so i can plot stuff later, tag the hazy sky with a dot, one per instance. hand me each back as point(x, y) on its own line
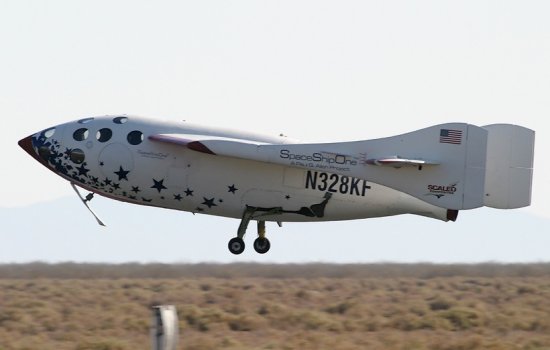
point(313, 70)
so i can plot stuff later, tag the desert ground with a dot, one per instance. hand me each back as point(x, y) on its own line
point(253, 306)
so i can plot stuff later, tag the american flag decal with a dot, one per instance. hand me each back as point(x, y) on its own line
point(450, 136)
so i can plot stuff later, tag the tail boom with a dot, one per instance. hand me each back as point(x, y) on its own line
point(448, 165)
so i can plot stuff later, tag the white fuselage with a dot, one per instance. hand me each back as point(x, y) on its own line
point(113, 156)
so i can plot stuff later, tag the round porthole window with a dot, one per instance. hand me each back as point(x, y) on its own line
point(81, 134)
point(44, 152)
point(77, 156)
point(104, 135)
point(49, 133)
point(85, 120)
point(120, 120)
point(135, 137)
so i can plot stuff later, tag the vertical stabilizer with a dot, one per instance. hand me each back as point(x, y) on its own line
point(509, 174)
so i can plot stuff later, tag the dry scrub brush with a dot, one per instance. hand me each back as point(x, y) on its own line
point(502, 311)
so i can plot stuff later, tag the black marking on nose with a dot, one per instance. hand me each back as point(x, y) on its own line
point(26, 144)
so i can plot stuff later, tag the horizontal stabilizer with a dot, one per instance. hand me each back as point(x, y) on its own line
point(396, 162)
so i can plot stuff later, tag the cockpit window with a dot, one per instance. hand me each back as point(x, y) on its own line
point(49, 133)
point(85, 120)
point(135, 137)
point(104, 135)
point(81, 134)
point(120, 120)
point(77, 156)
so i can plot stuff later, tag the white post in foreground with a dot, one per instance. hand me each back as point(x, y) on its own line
point(164, 333)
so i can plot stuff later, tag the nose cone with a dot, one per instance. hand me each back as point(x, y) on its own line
point(26, 144)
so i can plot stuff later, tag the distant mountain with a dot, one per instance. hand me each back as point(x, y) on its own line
point(63, 230)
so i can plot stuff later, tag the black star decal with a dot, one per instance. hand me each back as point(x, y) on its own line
point(199, 209)
point(188, 192)
point(220, 200)
point(116, 186)
point(82, 170)
point(107, 181)
point(68, 153)
point(122, 174)
point(232, 189)
point(209, 202)
point(101, 164)
point(158, 185)
point(161, 197)
point(94, 179)
point(177, 197)
point(135, 189)
point(287, 196)
point(124, 193)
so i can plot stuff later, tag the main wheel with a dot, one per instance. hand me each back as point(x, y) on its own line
point(236, 245)
point(261, 245)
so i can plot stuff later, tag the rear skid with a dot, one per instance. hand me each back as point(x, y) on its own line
point(452, 215)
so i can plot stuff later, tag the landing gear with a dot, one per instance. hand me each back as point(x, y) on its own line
point(261, 244)
point(85, 201)
point(236, 245)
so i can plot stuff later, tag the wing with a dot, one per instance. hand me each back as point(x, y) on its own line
point(251, 150)
point(210, 144)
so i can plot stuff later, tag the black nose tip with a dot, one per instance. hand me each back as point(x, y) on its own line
point(26, 144)
point(43, 152)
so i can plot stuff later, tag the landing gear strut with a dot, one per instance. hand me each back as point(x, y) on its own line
point(261, 244)
point(85, 201)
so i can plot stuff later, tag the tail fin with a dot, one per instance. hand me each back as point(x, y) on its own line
point(443, 165)
point(509, 173)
